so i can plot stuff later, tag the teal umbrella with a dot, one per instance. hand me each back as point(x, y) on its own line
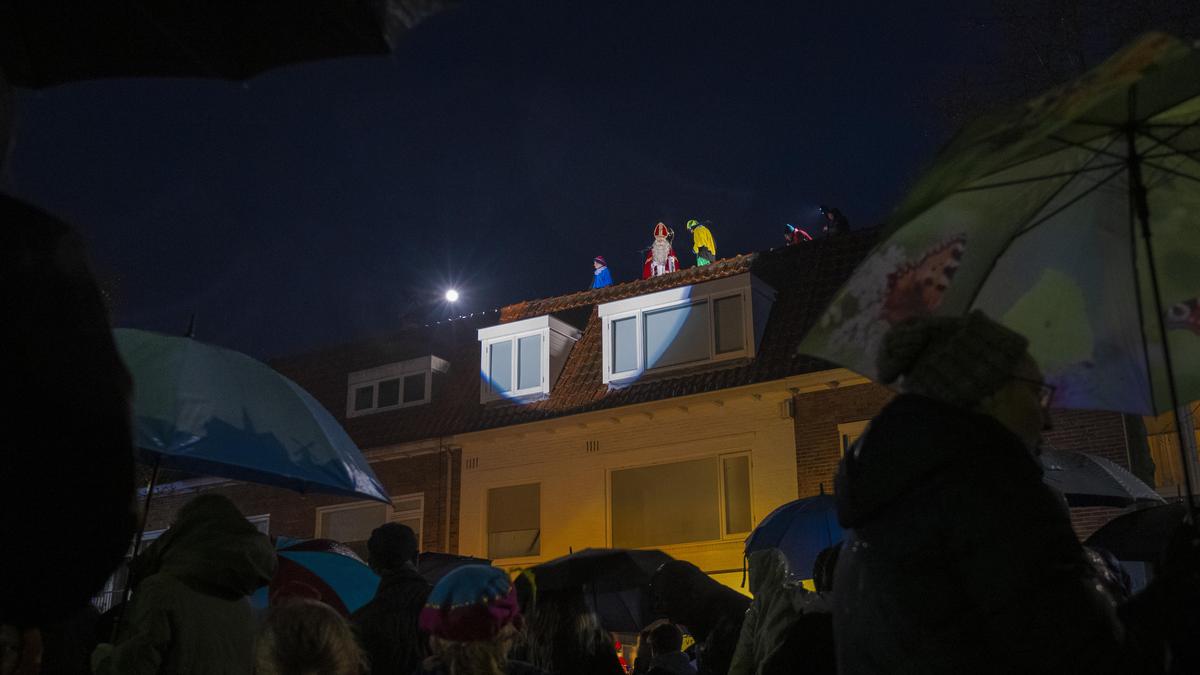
point(213, 411)
point(1073, 219)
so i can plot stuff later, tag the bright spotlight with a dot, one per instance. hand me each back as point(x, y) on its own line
point(451, 295)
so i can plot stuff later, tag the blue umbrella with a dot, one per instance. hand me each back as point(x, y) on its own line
point(320, 569)
point(213, 411)
point(801, 529)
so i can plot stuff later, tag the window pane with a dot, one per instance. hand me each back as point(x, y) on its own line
point(676, 335)
point(624, 344)
point(500, 366)
point(730, 331)
point(354, 524)
point(737, 495)
point(414, 388)
point(666, 504)
point(389, 393)
point(514, 521)
point(364, 398)
point(529, 366)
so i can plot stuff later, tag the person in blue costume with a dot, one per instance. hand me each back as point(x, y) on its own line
point(601, 276)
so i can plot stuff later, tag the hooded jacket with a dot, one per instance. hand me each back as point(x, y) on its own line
point(189, 612)
point(788, 629)
point(960, 560)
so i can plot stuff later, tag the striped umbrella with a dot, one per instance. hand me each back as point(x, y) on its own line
point(320, 569)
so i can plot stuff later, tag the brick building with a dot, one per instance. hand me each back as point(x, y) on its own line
point(671, 413)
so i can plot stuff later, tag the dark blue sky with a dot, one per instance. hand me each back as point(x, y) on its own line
point(499, 148)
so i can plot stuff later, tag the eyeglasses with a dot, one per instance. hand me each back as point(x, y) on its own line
point(1045, 391)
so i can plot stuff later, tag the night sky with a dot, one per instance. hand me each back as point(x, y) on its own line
point(498, 149)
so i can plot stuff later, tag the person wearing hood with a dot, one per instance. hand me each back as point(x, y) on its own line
point(712, 612)
point(788, 629)
point(189, 612)
point(387, 626)
point(958, 558)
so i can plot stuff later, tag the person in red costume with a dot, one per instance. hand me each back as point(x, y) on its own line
point(660, 259)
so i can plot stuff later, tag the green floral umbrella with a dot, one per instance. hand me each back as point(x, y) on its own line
point(1074, 219)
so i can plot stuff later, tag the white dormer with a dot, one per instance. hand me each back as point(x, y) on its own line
point(395, 385)
point(681, 327)
point(522, 359)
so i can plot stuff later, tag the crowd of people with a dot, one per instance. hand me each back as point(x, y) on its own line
point(958, 557)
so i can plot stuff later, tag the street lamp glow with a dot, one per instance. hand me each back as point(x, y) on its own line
point(451, 295)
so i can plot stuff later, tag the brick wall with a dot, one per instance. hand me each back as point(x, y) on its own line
point(818, 448)
point(294, 514)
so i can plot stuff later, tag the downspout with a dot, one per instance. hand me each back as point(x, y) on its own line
point(449, 455)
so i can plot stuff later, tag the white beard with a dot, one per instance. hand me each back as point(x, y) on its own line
point(660, 250)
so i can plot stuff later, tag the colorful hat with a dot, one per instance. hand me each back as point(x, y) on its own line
point(600, 259)
point(691, 224)
point(471, 604)
point(660, 230)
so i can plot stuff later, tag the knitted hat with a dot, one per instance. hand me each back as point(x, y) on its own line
point(956, 360)
point(600, 259)
point(471, 604)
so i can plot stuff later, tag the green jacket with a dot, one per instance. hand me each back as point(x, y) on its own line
point(189, 613)
point(778, 612)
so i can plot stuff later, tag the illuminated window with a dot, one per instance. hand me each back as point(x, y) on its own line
point(522, 359)
point(1163, 440)
point(514, 521)
point(680, 327)
point(396, 385)
point(705, 499)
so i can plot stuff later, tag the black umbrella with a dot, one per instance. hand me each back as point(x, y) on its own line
point(605, 569)
point(615, 582)
point(1089, 480)
point(1140, 535)
point(49, 42)
point(433, 565)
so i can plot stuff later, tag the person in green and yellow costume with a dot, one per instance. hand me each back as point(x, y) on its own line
point(702, 242)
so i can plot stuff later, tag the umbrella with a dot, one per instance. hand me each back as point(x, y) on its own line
point(49, 42)
point(217, 412)
point(1072, 219)
point(320, 569)
point(800, 529)
point(1139, 535)
point(614, 580)
point(433, 565)
point(602, 568)
point(1088, 480)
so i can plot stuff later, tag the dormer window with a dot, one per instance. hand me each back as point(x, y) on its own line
point(522, 359)
point(395, 385)
point(710, 322)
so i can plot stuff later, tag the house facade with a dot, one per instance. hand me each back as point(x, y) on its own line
point(669, 413)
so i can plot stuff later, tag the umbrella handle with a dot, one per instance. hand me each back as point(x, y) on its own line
point(1141, 206)
point(137, 545)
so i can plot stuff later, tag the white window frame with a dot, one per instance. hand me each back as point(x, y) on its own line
point(723, 525)
point(393, 515)
point(742, 285)
point(372, 377)
point(512, 332)
point(849, 432)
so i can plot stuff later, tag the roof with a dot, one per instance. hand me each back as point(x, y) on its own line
point(805, 278)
